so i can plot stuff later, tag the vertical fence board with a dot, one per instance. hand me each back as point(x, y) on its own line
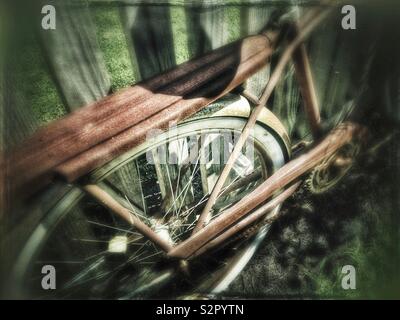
point(207, 27)
point(74, 56)
point(149, 31)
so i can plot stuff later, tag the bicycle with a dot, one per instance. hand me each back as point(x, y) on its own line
point(184, 227)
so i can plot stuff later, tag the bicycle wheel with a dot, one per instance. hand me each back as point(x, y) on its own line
point(165, 182)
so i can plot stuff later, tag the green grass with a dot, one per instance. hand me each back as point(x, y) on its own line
point(179, 31)
point(232, 20)
point(113, 44)
point(374, 258)
point(34, 83)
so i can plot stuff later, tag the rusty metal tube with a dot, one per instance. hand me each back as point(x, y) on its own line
point(82, 135)
point(317, 18)
point(118, 102)
point(248, 220)
point(338, 137)
point(109, 149)
point(307, 89)
point(110, 203)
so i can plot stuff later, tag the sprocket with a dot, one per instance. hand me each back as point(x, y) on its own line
point(330, 171)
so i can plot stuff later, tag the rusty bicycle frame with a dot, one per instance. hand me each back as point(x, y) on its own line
point(209, 235)
point(282, 184)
